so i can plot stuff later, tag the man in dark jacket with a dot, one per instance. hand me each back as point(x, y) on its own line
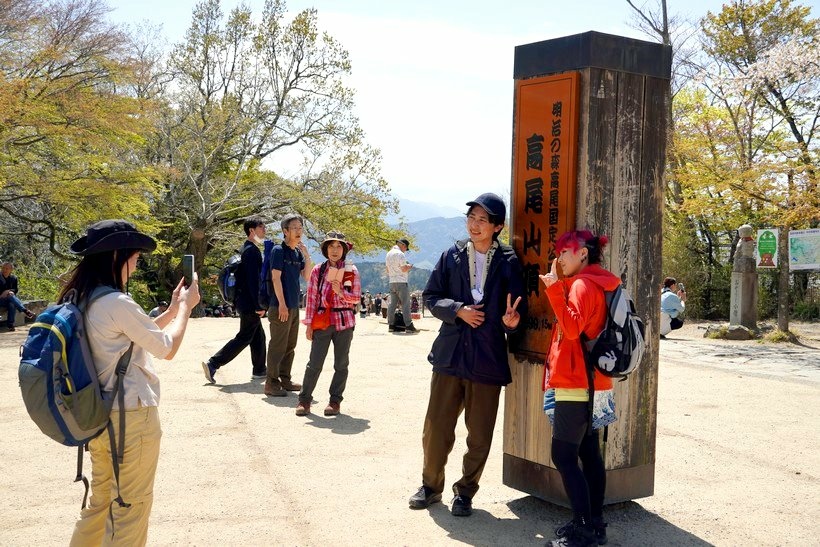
point(477, 291)
point(247, 305)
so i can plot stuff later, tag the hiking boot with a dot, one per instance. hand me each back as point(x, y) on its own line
point(29, 314)
point(579, 534)
point(209, 371)
point(424, 498)
point(598, 525)
point(391, 328)
point(332, 409)
point(302, 409)
point(291, 386)
point(411, 328)
point(462, 506)
point(274, 390)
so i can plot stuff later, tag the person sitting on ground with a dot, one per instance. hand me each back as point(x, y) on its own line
point(673, 302)
point(328, 295)
point(8, 296)
point(159, 310)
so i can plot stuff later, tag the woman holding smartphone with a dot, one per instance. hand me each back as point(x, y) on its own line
point(114, 322)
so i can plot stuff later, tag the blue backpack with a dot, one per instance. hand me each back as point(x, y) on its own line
point(59, 383)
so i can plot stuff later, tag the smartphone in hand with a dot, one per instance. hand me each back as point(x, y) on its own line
point(188, 269)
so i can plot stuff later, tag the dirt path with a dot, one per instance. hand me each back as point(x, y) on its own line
point(738, 459)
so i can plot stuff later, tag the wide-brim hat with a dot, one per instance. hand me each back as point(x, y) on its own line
point(110, 235)
point(404, 242)
point(335, 236)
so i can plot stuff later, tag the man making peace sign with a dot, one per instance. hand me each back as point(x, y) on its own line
point(477, 291)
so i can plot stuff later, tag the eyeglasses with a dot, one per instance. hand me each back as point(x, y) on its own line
point(336, 235)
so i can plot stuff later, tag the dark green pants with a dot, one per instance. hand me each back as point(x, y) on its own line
point(450, 395)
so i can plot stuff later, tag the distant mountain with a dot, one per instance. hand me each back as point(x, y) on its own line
point(413, 211)
point(430, 237)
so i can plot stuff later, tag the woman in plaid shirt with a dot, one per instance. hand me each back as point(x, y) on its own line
point(333, 288)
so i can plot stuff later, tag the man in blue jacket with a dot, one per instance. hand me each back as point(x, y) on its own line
point(246, 301)
point(477, 291)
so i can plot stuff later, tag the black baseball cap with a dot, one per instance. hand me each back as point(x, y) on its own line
point(491, 203)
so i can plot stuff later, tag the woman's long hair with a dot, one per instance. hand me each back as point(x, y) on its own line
point(95, 270)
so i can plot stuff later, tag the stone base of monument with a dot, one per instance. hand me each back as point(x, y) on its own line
point(731, 332)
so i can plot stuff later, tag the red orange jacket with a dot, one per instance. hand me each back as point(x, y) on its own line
point(580, 306)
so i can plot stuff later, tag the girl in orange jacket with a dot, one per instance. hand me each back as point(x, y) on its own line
point(579, 304)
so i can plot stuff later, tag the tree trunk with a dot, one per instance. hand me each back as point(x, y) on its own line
point(783, 284)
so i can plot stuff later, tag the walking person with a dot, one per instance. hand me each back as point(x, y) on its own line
point(397, 273)
point(579, 303)
point(110, 250)
point(8, 296)
point(330, 299)
point(246, 301)
point(476, 290)
point(289, 261)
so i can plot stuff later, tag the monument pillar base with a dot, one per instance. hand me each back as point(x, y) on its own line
point(743, 310)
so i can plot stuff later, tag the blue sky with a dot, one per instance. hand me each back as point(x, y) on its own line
point(434, 78)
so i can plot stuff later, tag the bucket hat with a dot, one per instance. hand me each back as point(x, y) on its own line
point(335, 236)
point(109, 235)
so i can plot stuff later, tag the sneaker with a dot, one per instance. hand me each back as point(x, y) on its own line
point(29, 314)
point(302, 409)
point(424, 498)
point(11, 328)
point(598, 525)
point(391, 328)
point(209, 371)
point(274, 390)
point(332, 409)
point(291, 386)
point(410, 328)
point(575, 534)
point(462, 506)
point(663, 337)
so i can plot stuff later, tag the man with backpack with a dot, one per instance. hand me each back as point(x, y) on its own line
point(289, 260)
point(251, 333)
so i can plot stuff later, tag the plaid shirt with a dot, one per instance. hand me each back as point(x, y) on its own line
point(342, 320)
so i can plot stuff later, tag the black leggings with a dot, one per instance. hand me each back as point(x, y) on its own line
point(585, 488)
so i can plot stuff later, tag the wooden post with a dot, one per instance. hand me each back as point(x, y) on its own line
point(620, 148)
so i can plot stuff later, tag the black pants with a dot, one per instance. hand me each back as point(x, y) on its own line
point(585, 488)
point(250, 334)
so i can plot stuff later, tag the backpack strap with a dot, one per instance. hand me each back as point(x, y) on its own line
point(118, 394)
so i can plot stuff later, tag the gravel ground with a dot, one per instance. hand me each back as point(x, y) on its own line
point(738, 453)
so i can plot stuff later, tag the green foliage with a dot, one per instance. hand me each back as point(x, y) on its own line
point(807, 311)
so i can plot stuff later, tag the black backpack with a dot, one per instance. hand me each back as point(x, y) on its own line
point(226, 280)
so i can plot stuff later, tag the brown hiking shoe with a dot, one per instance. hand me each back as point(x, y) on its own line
point(274, 391)
point(291, 386)
point(332, 409)
point(302, 409)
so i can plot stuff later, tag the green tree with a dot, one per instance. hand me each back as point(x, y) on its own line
point(243, 91)
point(68, 133)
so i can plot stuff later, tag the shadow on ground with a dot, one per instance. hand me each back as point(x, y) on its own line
point(629, 524)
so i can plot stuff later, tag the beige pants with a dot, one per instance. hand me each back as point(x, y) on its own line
point(130, 525)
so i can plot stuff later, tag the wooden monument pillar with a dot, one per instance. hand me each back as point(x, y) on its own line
point(589, 145)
